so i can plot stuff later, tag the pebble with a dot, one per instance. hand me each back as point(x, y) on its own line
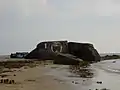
point(76, 83)
point(72, 81)
point(104, 89)
point(99, 82)
point(14, 75)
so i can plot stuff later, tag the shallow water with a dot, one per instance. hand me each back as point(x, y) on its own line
point(106, 71)
point(109, 80)
point(63, 74)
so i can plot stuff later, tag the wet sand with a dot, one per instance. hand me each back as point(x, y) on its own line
point(58, 77)
point(105, 72)
point(109, 73)
point(33, 79)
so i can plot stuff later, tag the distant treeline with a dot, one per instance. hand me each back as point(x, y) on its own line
point(108, 57)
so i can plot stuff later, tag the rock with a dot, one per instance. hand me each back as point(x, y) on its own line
point(14, 75)
point(25, 67)
point(1, 81)
point(66, 59)
point(76, 82)
point(47, 50)
point(7, 81)
point(99, 82)
point(114, 61)
point(69, 51)
point(4, 75)
point(108, 57)
point(84, 51)
point(83, 80)
point(104, 89)
point(72, 81)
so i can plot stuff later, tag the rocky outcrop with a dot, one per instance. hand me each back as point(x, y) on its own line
point(48, 50)
point(84, 51)
point(41, 54)
point(54, 46)
point(108, 57)
point(64, 52)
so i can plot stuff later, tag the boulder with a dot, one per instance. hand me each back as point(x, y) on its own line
point(66, 59)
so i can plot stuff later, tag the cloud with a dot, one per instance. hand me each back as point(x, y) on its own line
point(63, 8)
point(107, 8)
point(31, 21)
point(83, 8)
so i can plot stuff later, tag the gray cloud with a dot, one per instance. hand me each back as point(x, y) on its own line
point(24, 23)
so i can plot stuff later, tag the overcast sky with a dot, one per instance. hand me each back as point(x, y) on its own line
point(25, 23)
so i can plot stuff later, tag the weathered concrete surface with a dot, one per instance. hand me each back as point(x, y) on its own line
point(59, 58)
point(84, 51)
point(41, 54)
point(55, 46)
point(56, 50)
point(66, 59)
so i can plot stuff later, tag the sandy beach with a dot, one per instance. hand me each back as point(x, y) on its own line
point(35, 78)
point(58, 77)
